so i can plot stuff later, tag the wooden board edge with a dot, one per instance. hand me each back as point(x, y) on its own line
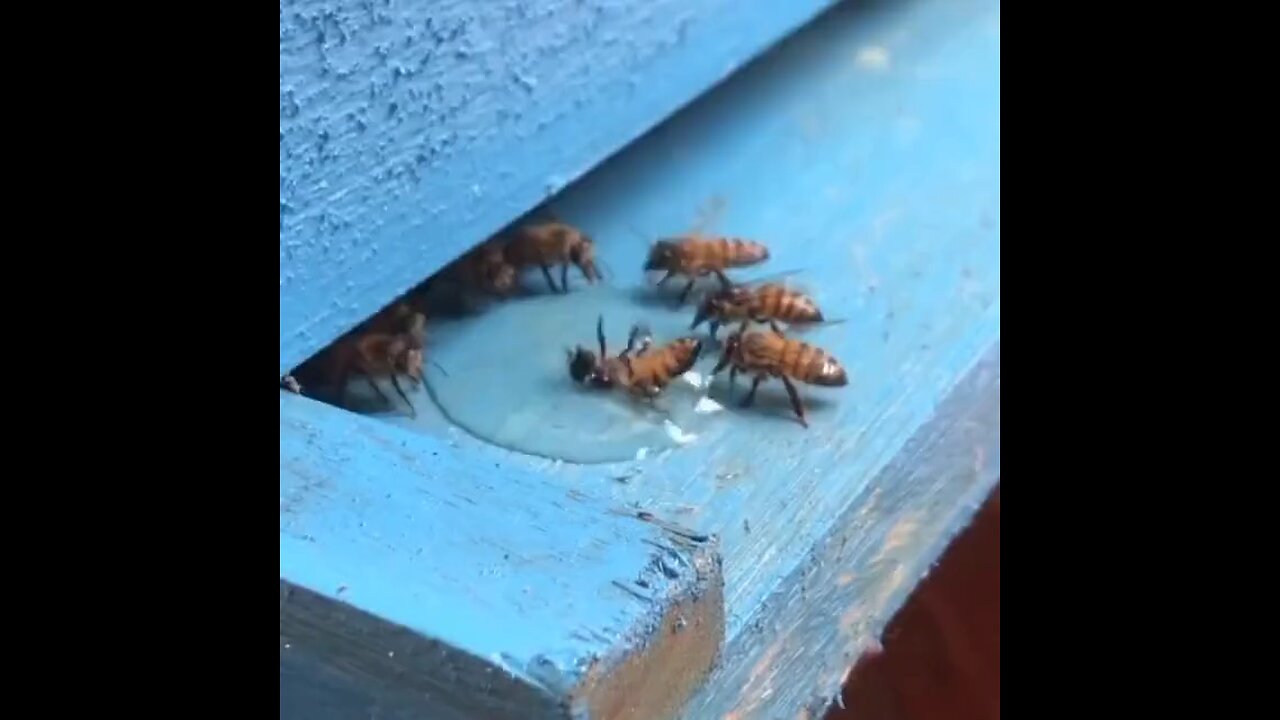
point(656, 678)
point(835, 606)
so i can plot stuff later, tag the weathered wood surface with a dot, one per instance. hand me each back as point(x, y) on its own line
point(941, 658)
point(413, 579)
point(865, 151)
point(410, 131)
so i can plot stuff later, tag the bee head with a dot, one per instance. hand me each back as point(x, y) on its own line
point(582, 364)
point(583, 255)
point(501, 278)
point(660, 256)
point(730, 350)
point(412, 363)
point(715, 305)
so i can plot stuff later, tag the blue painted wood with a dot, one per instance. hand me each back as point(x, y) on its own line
point(411, 131)
point(866, 151)
point(413, 579)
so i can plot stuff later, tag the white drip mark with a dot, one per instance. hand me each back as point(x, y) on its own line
point(675, 433)
point(694, 378)
point(872, 57)
point(706, 406)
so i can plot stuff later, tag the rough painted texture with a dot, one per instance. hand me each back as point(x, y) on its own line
point(792, 659)
point(411, 575)
point(410, 131)
point(865, 151)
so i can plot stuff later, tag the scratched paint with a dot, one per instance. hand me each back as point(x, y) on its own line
point(399, 532)
point(410, 131)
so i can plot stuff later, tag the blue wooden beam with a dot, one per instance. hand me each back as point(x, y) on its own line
point(415, 581)
point(411, 131)
point(865, 150)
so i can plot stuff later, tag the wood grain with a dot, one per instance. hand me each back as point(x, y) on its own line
point(941, 657)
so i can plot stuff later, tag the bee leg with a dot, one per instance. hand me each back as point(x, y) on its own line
point(546, 272)
point(751, 396)
point(564, 277)
point(377, 389)
point(684, 295)
point(733, 378)
point(773, 325)
point(644, 335)
point(714, 327)
point(724, 279)
point(665, 278)
point(413, 412)
point(795, 400)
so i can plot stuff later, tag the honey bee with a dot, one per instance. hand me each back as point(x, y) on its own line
point(771, 354)
point(484, 269)
point(550, 243)
point(489, 270)
point(396, 317)
point(767, 303)
point(695, 256)
point(377, 355)
point(387, 345)
point(644, 373)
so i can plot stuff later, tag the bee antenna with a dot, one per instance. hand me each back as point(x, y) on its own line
point(600, 336)
point(608, 269)
point(440, 368)
point(637, 233)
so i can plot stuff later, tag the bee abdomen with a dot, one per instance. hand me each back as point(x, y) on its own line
point(800, 308)
point(684, 353)
point(823, 369)
point(744, 252)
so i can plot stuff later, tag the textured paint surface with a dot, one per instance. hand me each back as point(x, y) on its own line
point(540, 585)
point(866, 151)
point(792, 658)
point(410, 131)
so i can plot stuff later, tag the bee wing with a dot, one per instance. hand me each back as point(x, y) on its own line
point(810, 326)
point(707, 214)
point(773, 277)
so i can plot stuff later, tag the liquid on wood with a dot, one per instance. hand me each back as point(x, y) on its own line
point(500, 372)
point(497, 367)
point(508, 379)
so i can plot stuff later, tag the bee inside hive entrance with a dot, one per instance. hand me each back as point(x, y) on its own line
point(582, 371)
point(500, 370)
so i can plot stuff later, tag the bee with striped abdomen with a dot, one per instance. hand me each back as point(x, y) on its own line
point(770, 354)
point(378, 355)
point(387, 345)
point(695, 256)
point(553, 243)
point(768, 303)
point(644, 373)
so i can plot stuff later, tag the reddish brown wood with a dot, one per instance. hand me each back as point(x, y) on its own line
point(941, 658)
